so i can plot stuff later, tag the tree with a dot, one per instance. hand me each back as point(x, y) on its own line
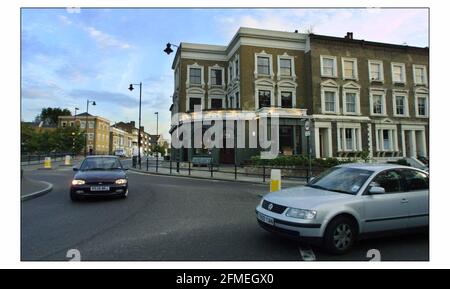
point(50, 115)
point(68, 139)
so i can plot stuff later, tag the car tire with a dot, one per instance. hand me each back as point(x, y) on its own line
point(340, 235)
point(74, 197)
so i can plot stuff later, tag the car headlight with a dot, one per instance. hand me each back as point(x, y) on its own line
point(301, 214)
point(121, 181)
point(78, 182)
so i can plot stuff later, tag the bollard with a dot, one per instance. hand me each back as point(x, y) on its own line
point(47, 163)
point(275, 180)
point(68, 160)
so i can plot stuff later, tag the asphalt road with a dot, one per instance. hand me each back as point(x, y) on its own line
point(172, 219)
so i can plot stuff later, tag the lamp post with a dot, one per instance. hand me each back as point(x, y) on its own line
point(86, 127)
point(168, 50)
point(139, 130)
point(73, 133)
point(156, 144)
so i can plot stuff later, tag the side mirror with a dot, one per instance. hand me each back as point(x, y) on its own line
point(311, 179)
point(376, 190)
point(75, 169)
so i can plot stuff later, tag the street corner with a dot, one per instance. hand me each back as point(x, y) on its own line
point(30, 189)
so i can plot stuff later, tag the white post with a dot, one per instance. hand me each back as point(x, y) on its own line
point(413, 143)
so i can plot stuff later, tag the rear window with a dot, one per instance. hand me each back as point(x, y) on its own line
point(415, 180)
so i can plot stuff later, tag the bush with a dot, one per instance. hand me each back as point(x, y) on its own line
point(297, 160)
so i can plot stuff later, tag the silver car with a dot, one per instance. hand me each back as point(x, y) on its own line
point(348, 202)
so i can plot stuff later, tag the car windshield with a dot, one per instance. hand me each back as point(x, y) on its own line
point(99, 163)
point(341, 180)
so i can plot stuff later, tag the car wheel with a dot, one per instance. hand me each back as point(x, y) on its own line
point(340, 235)
point(74, 197)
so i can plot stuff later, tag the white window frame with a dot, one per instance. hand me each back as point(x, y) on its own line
point(216, 67)
point(210, 97)
point(82, 124)
point(64, 123)
point(335, 71)
point(405, 94)
point(427, 105)
point(91, 124)
point(285, 56)
point(202, 75)
point(90, 136)
point(380, 63)
point(351, 87)
point(331, 86)
point(356, 137)
point(287, 86)
point(195, 93)
point(379, 141)
point(355, 68)
point(263, 84)
point(216, 93)
point(263, 54)
point(425, 77)
point(381, 92)
point(272, 96)
point(402, 65)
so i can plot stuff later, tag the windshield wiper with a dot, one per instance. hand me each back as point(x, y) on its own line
point(340, 191)
point(316, 187)
point(327, 189)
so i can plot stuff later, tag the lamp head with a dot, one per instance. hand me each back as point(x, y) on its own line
point(93, 103)
point(168, 50)
point(131, 87)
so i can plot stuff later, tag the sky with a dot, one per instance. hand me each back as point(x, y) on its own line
point(71, 55)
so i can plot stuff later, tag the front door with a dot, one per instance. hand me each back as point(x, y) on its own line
point(388, 211)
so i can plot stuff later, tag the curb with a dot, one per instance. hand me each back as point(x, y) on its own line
point(38, 193)
point(196, 177)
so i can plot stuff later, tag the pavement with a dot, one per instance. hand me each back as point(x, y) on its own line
point(168, 218)
point(30, 188)
point(224, 173)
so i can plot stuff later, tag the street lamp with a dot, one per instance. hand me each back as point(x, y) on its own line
point(73, 133)
point(139, 133)
point(156, 144)
point(86, 127)
point(168, 49)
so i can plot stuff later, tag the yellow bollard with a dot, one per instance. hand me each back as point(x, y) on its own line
point(68, 160)
point(275, 180)
point(48, 163)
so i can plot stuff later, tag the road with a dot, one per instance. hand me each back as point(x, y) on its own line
point(172, 219)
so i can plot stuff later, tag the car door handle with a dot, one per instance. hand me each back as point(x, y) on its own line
point(404, 201)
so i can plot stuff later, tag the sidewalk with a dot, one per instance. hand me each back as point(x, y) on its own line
point(205, 173)
point(55, 164)
point(30, 189)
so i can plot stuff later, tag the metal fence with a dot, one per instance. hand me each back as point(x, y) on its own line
point(31, 159)
point(227, 171)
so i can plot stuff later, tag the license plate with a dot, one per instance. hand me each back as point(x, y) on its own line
point(100, 188)
point(266, 219)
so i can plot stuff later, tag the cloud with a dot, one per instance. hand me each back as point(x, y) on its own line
point(105, 40)
point(383, 25)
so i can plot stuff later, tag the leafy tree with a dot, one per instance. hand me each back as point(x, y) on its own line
point(68, 139)
point(28, 138)
point(50, 115)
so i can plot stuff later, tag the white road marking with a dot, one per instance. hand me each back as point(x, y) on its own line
point(307, 254)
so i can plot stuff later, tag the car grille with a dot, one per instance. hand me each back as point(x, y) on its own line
point(100, 183)
point(275, 208)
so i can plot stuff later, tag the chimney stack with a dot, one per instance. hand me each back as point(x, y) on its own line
point(349, 35)
point(133, 123)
